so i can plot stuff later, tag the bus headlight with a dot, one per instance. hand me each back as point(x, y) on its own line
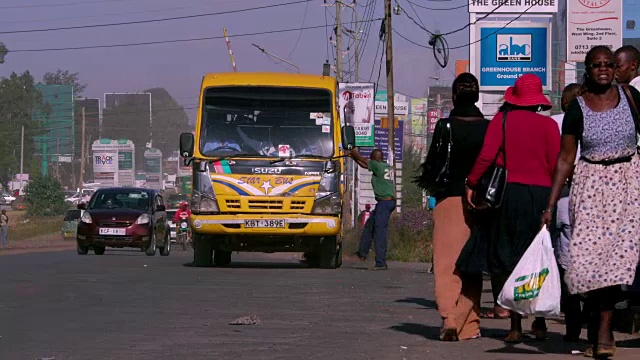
point(328, 205)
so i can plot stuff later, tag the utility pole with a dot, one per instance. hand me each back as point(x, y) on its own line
point(355, 11)
point(82, 153)
point(390, 93)
point(21, 160)
point(58, 159)
point(338, 41)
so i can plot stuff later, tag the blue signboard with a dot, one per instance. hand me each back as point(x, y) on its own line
point(508, 53)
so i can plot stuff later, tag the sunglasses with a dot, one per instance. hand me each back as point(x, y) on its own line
point(598, 65)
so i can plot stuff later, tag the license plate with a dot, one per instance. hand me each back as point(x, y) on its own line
point(112, 231)
point(263, 223)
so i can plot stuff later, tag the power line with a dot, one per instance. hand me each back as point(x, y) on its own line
point(31, 6)
point(146, 11)
point(169, 41)
point(436, 9)
point(155, 20)
point(493, 33)
point(304, 19)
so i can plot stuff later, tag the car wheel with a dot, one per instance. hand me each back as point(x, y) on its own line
point(151, 250)
point(202, 251)
point(82, 250)
point(166, 249)
point(328, 252)
point(222, 258)
point(99, 250)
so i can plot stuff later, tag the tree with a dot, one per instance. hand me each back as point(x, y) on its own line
point(20, 99)
point(130, 120)
point(3, 52)
point(44, 197)
point(61, 77)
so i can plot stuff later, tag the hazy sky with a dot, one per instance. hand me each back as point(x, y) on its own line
point(180, 66)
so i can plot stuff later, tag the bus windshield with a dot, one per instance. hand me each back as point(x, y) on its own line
point(264, 120)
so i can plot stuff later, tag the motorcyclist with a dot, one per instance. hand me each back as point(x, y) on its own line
point(183, 213)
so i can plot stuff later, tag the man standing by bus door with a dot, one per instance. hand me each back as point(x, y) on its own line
point(384, 191)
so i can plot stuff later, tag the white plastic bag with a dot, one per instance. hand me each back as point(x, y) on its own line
point(533, 288)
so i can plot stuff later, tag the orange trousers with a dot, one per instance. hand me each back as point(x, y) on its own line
point(457, 296)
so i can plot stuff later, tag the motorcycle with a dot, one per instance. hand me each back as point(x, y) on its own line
point(183, 233)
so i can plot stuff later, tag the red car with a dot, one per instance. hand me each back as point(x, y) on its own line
point(124, 218)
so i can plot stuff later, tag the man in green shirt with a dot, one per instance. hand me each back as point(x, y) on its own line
point(377, 225)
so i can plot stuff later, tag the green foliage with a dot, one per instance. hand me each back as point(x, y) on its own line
point(45, 197)
point(19, 100)
point(3, 52)
point(65, 77)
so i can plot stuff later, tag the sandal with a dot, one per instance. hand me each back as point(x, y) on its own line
point(514, 337)
point(491, 314)
point(605, 351)
point(539, 331)
point(450, 334)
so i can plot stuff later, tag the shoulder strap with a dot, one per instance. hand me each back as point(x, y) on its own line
point(503, 147)
point(632, 102)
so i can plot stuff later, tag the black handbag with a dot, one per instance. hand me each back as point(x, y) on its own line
point(436, 175)
point(494, 181)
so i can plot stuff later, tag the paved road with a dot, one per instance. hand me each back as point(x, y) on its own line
point(125, 305)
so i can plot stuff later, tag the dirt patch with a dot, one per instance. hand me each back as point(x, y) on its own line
point(43, 243)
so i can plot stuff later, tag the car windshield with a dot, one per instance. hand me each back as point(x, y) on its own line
point(120, 199)
point(72, 215)
point(173, 199)
point(266, 121)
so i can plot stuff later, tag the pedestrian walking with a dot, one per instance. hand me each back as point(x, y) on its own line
point(378, 222)
point(531, 144)
point(571, 305)
point(627, 59)
point(605, 192)
point(457, 294)
point(4, 225)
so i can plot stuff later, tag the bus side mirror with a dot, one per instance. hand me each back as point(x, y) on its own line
point(186, 144)
point(348, 137)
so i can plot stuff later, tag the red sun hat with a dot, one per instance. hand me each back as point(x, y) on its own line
point(527, 91)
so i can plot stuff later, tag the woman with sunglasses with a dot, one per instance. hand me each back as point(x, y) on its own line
point(605, 193)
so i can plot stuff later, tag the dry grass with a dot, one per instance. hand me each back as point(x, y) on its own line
point(23, 228)
point(405, 244)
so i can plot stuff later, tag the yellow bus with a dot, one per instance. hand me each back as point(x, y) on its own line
point(268, 173)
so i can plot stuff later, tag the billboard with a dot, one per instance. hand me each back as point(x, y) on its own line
point(515, 6)
point(153, 168)
point(126, 162)
point(355, 103)
point(381, 141)
point(105, 161)
point(418, 125)
point(506, 53)
point(591, 23)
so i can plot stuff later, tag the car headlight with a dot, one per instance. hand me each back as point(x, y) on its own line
point(86, 218)
point(143, 219)
point(328, 205)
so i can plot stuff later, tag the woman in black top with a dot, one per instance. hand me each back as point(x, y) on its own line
point(457, 296)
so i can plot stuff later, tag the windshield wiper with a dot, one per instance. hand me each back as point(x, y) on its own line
point(244, 155)
point(305, 156)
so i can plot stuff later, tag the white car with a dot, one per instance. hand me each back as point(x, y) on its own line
point(7, 198)
point(72, 198)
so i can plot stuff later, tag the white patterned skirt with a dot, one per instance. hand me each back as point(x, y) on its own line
point(605, 212)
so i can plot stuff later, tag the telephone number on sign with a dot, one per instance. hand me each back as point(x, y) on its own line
point(588, 47)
